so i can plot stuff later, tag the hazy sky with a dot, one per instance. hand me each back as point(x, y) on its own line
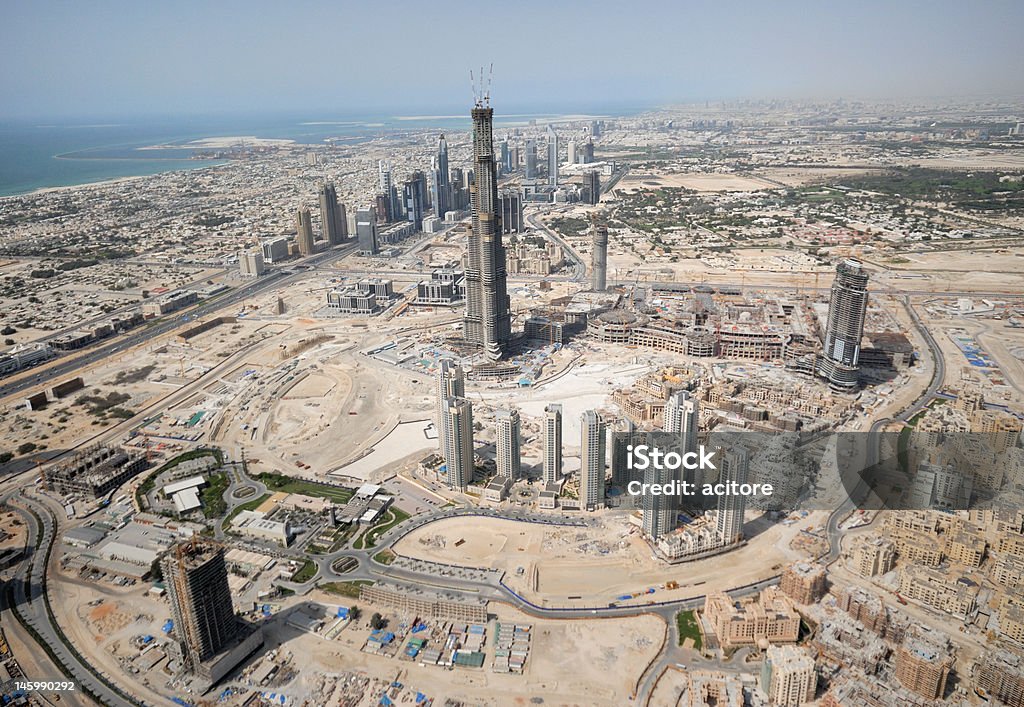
point(413, 56)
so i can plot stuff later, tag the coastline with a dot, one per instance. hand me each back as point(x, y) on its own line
point(111, 181)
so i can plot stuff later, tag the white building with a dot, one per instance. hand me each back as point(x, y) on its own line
point(458, 442)
point(735, 467)
point(552, 443)
point(593, 444)
point(254, 525)
point(507, 458)
point(250, 263)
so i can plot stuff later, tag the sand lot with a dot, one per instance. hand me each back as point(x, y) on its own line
point(584, 662)
point(702, 182)
point(570, 566)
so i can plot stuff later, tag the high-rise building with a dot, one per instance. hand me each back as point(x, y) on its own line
point(595, 129)
point(250, 263)
point(488, 321)
point(507, 457)
point(682, 418)
point(531, 159)
point(381, 204)
point(386, 187)
point(593, 434)
point(458, 442)
point(552, 463)
point(599, 259)
point(657, 511)
point(332, 216)
point(660, 513)
point(591, 191)
point(734, 466)
point(304, 231)
point(570, 156)
point(552, 157)
point(503, 155)
point(513, 159)
point(460, 191)
point(213, 640)
point(441, 188)
point(588, 152)
point(275, 250)
point(511, 212)
point(415, 194)
point(366, 230)
point(839, 362)
point(788, 676)
point(624, 434)
point(450, 382)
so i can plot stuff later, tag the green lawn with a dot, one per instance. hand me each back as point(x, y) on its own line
point(150, 482)
point(346, 589)
point(280, 482)
point(305, 573)
point(212, 497)
point(247, 506)
point(385, 557)
point(689, 627)
point(392, 518)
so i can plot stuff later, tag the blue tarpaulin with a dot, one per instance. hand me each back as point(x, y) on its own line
point(168, 626)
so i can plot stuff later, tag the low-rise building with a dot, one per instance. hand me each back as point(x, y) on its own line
point(939, 590)
point(94, 472)
point(965, 548)
point(923, 663)
point(1000, 674)
point(255, 525)
point(874, 556)
point(804, 582)
point(788, 676)
point(770, 617)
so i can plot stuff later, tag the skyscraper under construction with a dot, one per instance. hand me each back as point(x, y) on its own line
point(488, 321)
point(213, 641)
point(847, 308)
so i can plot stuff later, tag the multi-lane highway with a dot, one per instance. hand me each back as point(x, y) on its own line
point(72, 363)
point(32, 604)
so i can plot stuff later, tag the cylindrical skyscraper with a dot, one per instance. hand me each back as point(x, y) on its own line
point(599, 259)
point(847, 307)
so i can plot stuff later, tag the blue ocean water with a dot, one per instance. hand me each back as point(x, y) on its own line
point(40, 154)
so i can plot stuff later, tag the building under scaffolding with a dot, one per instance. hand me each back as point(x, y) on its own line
point(553, 326)
point(94, 472)
point(212, 640)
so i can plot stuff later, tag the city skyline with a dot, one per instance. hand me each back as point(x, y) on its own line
point(712, 403)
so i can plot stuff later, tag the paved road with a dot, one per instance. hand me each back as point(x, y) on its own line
point(31, 602)
point(73, 363)
point(861, 490)
point(577, 266)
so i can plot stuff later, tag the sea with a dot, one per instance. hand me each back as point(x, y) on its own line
point(39, 154)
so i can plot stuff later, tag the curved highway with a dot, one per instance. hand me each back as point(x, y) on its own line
point(32, 603)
